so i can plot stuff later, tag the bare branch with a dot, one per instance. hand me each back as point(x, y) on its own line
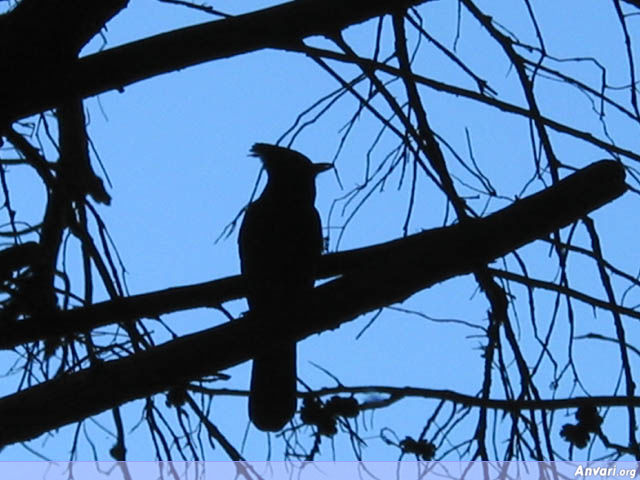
point(379, 276)
point(115, 68)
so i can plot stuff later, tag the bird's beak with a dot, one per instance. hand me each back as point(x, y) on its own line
point(321, 167)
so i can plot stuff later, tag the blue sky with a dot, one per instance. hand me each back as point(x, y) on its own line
point(175, 148)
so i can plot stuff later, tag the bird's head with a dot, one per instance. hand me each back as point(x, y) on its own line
point(284, 162)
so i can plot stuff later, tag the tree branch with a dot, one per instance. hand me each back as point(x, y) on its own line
point(372, 277)
point(117, 67)
point(460, 249)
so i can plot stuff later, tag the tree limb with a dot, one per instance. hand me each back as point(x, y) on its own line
point(459, 250)
point(372, 277)
point(117, 67)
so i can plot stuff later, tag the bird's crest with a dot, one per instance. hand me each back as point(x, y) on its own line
point(280, 158)
point(268, 153)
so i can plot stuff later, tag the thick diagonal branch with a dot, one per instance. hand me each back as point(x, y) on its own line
point(371, 278)
point(117, 67)
point(458, 250)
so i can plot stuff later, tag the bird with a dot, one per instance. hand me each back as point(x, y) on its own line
point(280, 243)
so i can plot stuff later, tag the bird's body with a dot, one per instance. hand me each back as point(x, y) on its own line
point(280, 243)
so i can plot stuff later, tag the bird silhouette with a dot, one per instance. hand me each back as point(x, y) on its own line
point(280, 242)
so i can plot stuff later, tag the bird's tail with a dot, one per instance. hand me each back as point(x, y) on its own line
point(272, 401)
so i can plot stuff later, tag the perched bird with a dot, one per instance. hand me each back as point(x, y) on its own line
point(280, 242)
